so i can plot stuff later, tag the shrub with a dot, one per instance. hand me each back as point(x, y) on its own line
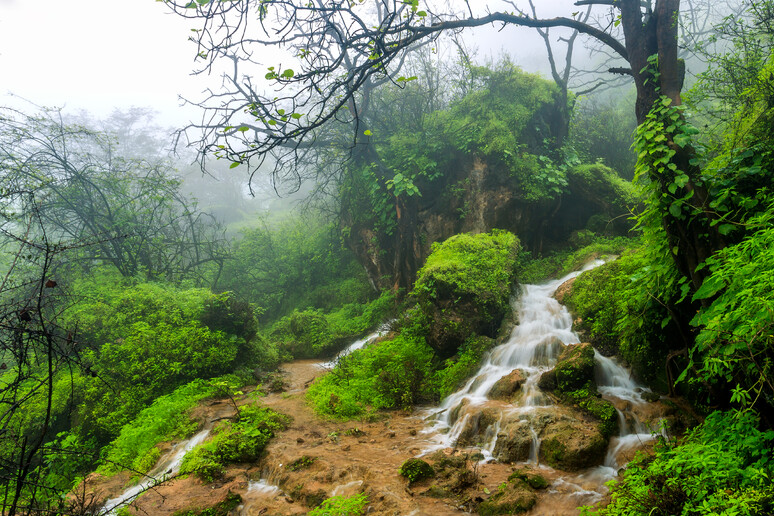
point(240, 441)
point(723, 466)
point(341, 506)
point(389, 375)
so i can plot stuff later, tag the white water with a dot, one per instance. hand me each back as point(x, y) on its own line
point(167, 467)
point(544, 329)
point(358, 344)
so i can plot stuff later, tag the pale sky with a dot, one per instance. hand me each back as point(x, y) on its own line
point(99, 55)
point(96, 55)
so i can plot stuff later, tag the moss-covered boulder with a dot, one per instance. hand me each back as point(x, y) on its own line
point(575, 367)
point(415, 470)
point(507, 386)
point(513, 497)
point(572, 445)
point(464, 288)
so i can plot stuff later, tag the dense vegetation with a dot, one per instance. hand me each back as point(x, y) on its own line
point(123, 304)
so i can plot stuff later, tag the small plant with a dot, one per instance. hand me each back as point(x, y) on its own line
point(341, 506)
point(355, 432)
point(415, 470)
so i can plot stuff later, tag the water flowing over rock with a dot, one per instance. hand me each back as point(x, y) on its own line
point(544, 398)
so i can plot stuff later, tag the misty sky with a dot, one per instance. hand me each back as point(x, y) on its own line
point(102, 54)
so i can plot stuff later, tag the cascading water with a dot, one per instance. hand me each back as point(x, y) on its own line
point(544, 329)
point(167, 467)
point(358, 344)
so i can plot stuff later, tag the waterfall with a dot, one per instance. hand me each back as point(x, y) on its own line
point(544, 329)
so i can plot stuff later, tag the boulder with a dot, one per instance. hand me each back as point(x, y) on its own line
point(575, 367)
point(572, 445)
point(514, 498)
point(476, 426)
point(507, 386)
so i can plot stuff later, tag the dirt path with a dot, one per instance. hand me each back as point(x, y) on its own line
point(317, 458)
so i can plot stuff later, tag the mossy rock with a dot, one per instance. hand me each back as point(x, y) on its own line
point(514, 498)
point(605, 412)
point(464, 288)
point(415, 470)
point(575, 367)
point(547, 381)
point(533, 480)
point(572, 445)
point(222, 508)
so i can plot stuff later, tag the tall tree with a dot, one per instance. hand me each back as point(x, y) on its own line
point(338, 46)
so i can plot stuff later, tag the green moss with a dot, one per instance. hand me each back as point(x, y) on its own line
point(232, 501)
point(415, 470)
point(513, 497)
point(534, 480)
point(476, 266)
point(605, 412)
point(341, 506)
point(303, 462)
point(575, 368)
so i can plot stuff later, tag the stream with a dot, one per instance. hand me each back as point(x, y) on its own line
point(544, 329)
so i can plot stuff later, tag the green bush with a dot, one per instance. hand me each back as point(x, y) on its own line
point(722, 467)
point(165, 419)
point(462, 366)
point(341, 506)
point(392, 374)
point(242, 440)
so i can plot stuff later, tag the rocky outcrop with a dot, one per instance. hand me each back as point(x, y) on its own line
point(475, 196)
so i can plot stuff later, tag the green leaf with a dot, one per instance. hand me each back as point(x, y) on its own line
point(234, 165)
point(711, 286)
point(367, 132)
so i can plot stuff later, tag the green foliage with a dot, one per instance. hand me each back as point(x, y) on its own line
point(342, 506)
point(606, 133)
point(415, 470)
point(144, 340)
point(392, 374)
point(723, 467)
point(312, 333)
point(537, 270)
point(479, 266)
point(735, 345)
point(242, 440)
point(461, 366)
point(297, 263)
point(165, 419)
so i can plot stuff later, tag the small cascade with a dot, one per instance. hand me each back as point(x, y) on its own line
point(167, 467)
point(358, 344)
point(615, 383)
point(544, 328)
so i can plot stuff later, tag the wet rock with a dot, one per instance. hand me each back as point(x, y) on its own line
point(415, 470)
point(572, 445)
point(564, 289)
point(508, 385)
point(651, 397)
point(453, 474)
point(533, 480)
point(514, 444)
point(547, 381)
point(513, 498)
point(476, 426)
point(575, 367)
